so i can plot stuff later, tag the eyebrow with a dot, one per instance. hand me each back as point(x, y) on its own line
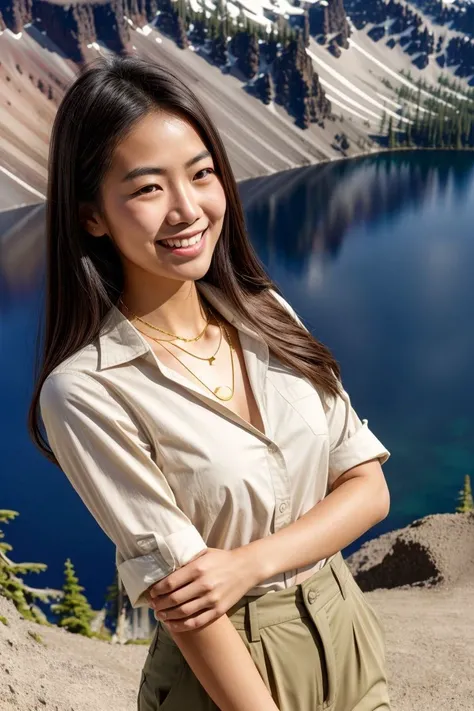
point(152, 170)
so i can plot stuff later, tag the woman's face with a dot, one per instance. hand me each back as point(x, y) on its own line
point(162, 186)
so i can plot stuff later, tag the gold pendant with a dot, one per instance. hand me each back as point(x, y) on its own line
point(211, 360)
point(225, 390)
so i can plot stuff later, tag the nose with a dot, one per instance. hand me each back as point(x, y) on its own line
point(184, 206)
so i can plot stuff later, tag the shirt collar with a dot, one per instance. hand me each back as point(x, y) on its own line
point(120, 342)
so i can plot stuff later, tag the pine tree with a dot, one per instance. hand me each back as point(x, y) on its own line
point(391, 135)
point(306, 36)
point(466, 502)
point(13, 588)
point(181, 36)
point(219, 52)
point(408, 139)
point(74, 612)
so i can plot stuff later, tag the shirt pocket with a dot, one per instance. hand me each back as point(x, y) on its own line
point(302, 397)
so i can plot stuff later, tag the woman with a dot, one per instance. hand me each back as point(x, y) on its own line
point(202, 425)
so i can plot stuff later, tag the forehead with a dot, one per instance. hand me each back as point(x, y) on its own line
point(160, 138)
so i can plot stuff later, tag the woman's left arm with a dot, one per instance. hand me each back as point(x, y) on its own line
point(359, 499)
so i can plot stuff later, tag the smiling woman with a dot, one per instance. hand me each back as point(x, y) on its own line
point(206, 430)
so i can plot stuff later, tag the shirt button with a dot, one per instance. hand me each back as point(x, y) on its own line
point(283, 506)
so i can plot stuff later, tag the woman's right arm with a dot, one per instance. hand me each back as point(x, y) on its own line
point(108, 460)
point(221, 662)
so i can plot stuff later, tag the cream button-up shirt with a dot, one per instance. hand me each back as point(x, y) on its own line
point(167, 471)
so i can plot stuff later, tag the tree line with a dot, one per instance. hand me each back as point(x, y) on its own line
point(275, 64)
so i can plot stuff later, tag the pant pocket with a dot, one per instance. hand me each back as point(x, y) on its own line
point(368, 666)
point(160, 685)
point(360, 595)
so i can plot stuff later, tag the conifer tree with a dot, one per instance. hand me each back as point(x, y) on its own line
point(219, 52)
point(391, 135)
point(12, 586)
point(117, 603)
point(408, 139)
point(74, 612)
point(306, 29)
point(466, 502)
point(181, 36)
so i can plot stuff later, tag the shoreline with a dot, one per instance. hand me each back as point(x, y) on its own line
point(325, 161)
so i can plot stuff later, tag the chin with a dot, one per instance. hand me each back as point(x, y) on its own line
point(193, 271)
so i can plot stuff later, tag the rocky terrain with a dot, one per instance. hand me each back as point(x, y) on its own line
point(422, 586)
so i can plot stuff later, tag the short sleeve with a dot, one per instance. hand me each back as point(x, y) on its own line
point(351, 441)
point(108, 460)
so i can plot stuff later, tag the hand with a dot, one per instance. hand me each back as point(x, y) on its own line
point(202, 590)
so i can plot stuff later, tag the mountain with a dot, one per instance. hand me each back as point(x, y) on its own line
point(358, 63)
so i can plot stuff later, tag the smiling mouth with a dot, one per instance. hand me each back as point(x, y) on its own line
point(182, 243)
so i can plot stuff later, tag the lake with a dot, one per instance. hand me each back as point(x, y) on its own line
point(377, 257)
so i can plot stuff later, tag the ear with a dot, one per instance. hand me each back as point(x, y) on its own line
point(92, 221)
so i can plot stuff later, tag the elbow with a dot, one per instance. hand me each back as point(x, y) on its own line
point(383, 502)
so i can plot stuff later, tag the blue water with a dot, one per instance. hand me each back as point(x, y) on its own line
point(377, 256)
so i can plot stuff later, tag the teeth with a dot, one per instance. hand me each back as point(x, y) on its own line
point(183, 242)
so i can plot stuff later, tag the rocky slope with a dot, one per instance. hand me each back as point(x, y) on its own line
point(43, 43)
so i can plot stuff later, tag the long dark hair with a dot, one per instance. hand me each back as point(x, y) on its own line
point(84, 276)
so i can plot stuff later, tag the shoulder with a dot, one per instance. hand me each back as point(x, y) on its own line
point(70, 389)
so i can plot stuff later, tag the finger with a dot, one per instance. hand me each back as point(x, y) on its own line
point(175, 580)
point(178, 597)
point(193, 607)
point(193, 623)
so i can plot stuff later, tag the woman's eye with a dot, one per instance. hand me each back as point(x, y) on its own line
point(145, 190)
point(149, 189)
point(211, 170)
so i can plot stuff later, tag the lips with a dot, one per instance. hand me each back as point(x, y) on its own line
point(178, 241)
point(185, 249)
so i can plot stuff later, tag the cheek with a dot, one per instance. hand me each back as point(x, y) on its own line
point(135, 224)
point(217, 205)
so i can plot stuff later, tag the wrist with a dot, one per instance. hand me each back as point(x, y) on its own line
point(253, 564)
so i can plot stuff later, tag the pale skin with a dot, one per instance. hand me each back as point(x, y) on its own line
point(160, 287)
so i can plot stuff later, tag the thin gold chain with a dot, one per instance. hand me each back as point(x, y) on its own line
point(231, 349)
point(210, 359)
point(161, 330)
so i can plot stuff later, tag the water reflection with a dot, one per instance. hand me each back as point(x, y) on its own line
point(303, 216)
point(376, 255)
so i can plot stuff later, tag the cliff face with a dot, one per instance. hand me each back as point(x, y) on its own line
point(73, 26)
point(335, 17)
point(328, 19)
point(15, 13)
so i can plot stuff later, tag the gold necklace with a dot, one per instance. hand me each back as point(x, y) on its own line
point(211, 359)
point(187, 340)
point(226, 392)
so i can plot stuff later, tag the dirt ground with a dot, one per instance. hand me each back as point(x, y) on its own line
point(428, 623)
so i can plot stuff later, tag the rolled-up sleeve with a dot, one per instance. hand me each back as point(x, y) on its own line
point(109, 462)
point(351, 441)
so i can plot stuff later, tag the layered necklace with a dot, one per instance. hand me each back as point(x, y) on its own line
point(222, 392)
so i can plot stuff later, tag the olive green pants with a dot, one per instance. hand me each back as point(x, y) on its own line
point(317, 645)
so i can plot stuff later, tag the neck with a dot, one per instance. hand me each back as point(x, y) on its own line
point(176, 309)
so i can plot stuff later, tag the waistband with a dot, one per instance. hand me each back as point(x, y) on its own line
point(255, 613)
